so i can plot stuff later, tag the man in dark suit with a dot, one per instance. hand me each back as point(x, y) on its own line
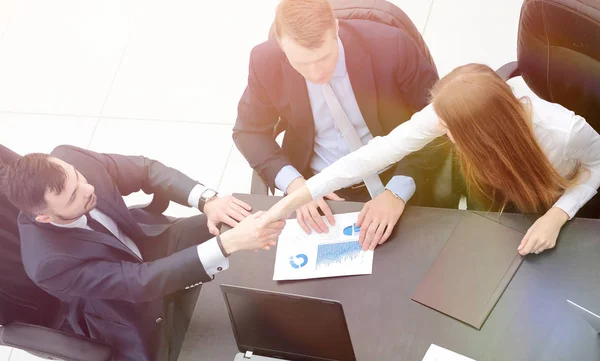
point(314, 66)
point(114, 266)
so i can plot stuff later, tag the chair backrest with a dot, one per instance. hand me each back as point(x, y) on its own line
point(559, 53)
point(383, 12)
point(20, 299)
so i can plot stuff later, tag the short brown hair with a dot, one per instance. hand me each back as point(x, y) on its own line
point(304, 21)
point(26, 180)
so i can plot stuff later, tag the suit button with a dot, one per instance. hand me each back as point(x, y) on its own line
point(159, 320)
point(219, 269)
point(187, 288)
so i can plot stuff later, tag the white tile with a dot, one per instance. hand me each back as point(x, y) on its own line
point(20, 355)
point(188, 60)
point(7, 9)
point(467, 31)
point(237, 177)
point(5, 353)
point(417, 11)
point(26, 133)
point(198, 150)
point(60, 57)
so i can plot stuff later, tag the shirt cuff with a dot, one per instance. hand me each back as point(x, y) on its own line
point(285, 177)
point(575, 198)
point(212, 258)
point(403, 186)
point(195, 194)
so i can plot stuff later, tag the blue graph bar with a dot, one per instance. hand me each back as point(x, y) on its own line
point(330, 254)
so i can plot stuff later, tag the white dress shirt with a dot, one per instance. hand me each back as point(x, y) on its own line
point(566, 139)
point(329, 145)
point(209, 253)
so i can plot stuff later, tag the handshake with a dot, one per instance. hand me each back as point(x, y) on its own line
point(250, 231)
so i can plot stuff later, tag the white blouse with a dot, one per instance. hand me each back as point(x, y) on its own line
point(566, 139)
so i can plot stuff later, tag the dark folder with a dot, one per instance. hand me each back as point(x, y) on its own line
point(472, 270)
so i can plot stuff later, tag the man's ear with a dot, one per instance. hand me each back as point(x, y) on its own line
point(43, 218)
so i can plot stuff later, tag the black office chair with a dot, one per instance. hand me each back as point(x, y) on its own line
point(558, 54)
point(387, 13)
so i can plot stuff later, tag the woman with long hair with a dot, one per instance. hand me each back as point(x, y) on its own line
point(515, 153)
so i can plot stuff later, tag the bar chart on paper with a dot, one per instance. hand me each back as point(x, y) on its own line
point(336, 253)
point(330, 255)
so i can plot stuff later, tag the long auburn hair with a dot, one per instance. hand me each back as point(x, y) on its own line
point(501, 160)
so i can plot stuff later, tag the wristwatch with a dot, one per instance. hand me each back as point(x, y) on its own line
point(206, 196)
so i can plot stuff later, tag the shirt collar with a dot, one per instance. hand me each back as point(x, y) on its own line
point(81, 222)
point(340, 67)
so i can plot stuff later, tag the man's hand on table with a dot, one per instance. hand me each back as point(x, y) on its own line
point(308, 215)
point(378, 219)
point(228, 210)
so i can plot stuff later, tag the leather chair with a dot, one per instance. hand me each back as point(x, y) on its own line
point(558, 54)
point(387, 13)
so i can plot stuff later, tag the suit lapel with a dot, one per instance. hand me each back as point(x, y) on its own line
point(360, 71)
point(120, 214)
point(80, 234)
point(297, 96)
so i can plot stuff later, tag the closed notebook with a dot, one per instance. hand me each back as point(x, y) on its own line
point(472, 270)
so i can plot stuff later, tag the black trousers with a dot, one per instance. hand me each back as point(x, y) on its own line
point(179, 306)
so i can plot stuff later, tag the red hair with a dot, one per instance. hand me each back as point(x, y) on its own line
point(500, 157)
point(307, 22)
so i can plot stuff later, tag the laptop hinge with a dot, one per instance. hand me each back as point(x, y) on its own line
point(248, 355)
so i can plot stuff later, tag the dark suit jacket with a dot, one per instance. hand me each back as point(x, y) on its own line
point(113, 295)
point(390, 77)
point(20, 299)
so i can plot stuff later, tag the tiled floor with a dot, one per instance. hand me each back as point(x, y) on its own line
point(162, 78)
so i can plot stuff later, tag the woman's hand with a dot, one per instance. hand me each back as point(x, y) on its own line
point(543, 233)
point(308, 215)
point(283, 209)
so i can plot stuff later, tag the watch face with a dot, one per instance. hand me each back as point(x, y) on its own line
point(208, 194)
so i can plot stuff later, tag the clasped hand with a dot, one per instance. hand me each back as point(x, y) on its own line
point(249, 231)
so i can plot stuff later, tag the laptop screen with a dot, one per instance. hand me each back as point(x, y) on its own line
point(288, 326)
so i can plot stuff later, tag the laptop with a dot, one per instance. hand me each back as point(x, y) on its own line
point(277, 326)
point(591, 318)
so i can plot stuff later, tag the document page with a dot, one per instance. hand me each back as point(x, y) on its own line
point(437, 353)
point(337, 253)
